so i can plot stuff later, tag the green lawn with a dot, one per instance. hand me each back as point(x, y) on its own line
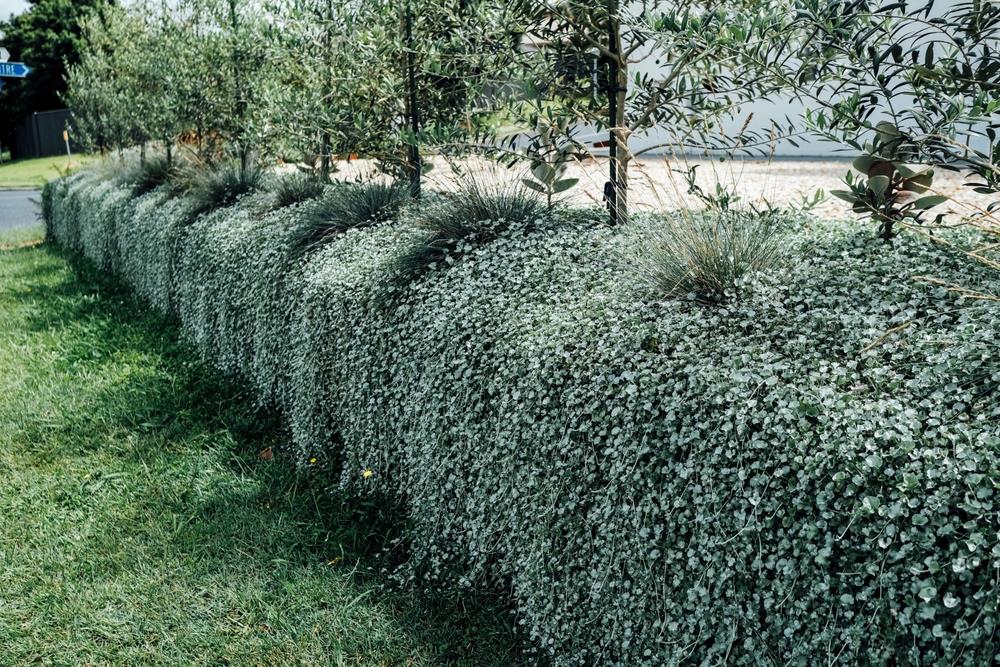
point(141, 524)
point(34, 173)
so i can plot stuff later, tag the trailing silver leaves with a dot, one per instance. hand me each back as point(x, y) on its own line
point(805, 475)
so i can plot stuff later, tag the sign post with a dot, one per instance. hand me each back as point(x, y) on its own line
point(4, 57)
point(9, 70)
point(14, 70)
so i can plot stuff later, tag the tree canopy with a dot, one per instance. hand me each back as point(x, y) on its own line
point(49, 38)
point(311, 80)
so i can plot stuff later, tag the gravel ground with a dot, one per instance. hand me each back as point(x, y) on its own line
point(656, 186)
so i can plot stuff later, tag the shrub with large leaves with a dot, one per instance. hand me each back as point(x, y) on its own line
point(888, 187)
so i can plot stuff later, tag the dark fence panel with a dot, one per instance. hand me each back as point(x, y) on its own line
point(41, 135)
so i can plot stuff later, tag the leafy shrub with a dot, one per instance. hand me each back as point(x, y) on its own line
point(888, 188)
point(217, 186)
point(709, 256)
point(480, 212)
point(347, 206)
point(295, 188)
point(800, 476)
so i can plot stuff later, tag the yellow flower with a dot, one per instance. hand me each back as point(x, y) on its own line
point(367, 473)
point(312, 460)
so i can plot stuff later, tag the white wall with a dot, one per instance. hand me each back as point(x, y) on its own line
point(766, 111)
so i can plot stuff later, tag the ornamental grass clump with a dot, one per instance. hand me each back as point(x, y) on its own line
point(479, 212)
point(220, 185)
point(348, 206)
point(142, 176)
point(707, 257)
point(295, 188)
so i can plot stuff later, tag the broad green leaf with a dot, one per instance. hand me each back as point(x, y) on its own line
point(912, 170)
point(564, 185)
point(543, 172)
point(534, 185)
point(863, 163)
point(918, 183)
point(929, 202)
point(846, 195)
point(878, 185)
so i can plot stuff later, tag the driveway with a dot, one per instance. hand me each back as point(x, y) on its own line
point(18, 208)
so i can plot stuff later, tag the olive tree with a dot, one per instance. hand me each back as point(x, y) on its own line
point(909, 89)
point(390, 79)
point(334, 93)
point(234, 46)
point(689, 89)
point(101, 87)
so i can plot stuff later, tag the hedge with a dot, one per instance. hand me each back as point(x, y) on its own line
point(810, 474)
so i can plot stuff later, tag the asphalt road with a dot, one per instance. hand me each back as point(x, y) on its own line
point(18, 208)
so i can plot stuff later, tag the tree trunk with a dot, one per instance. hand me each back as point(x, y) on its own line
point(621, 196)
point(619, 156)
point(413, 165)
point(624, 152)
point(240, 103)
point(325, 149)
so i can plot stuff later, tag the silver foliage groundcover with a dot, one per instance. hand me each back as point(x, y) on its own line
point(659, 482)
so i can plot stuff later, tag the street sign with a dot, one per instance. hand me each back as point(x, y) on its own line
point(4, 55)
point(14, 70)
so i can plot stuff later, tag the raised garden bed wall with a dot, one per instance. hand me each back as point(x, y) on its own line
point(656, 482)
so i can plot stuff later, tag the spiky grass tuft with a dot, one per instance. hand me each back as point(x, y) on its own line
point(346, 206)
point(708, 256)
point(220, 185)
point(295, 188)
point(479, 212)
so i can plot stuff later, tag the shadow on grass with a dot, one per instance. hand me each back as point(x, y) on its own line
point(159, 403)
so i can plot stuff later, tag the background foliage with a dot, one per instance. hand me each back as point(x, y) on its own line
point(48, 37)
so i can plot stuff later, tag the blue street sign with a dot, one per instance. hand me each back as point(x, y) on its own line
point(14, 70)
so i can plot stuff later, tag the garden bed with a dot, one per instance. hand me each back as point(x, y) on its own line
point(809, 471)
